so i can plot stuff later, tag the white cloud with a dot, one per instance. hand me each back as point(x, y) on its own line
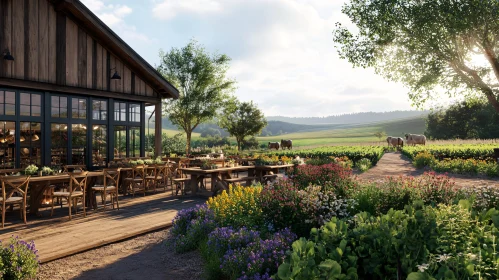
point(114, 16)
point(169, 9)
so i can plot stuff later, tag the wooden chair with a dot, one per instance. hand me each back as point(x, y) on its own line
point(178, 179)
point(76, 190)
point(162, 175)
point(110, 186)
point(137, 182)
point(14, 192)
point(150, 175)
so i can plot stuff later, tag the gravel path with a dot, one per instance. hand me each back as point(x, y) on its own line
point(396, 164)
point(142, 257)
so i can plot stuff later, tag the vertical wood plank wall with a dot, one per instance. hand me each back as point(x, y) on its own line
point(50, 47)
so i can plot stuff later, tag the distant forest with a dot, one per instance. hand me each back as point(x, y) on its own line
point(283, 125)
point(353, 118)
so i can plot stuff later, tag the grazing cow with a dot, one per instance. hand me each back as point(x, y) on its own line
point(274, 145)
point(287, 144)
point(389, 140)
point(416, 139)
point(397, 142)
point(410, 142)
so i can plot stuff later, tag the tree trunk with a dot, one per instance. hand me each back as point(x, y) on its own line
point(491, 98)
point(238, 145)
point(188, 144)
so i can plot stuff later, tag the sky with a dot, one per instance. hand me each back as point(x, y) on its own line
point(282, 51)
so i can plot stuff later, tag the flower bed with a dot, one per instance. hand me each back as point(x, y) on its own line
point(18, 260)
point(416, 228)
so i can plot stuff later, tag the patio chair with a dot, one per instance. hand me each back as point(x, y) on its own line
point(178, 179)
point(109, 186)
point(137, 183)
point(76, 190)
point(14, 192)
point(151, 172)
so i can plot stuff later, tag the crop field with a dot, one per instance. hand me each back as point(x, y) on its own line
point(373, 153)
point(454, 151)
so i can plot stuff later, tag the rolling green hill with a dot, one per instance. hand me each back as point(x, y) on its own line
point(307, 136)
point(351, 134)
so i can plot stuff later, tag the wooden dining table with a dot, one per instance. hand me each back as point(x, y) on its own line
point(38, 185)
point(217, 175)
point(262, 170)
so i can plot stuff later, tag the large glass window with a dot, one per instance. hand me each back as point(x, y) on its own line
point(134, 112)
point(79, 108)
point(99, 110)
point(120, 111)
point(59, 106)
point(79, 143)
point(119, 141)
point(134, 142)
point(31, 104)
point(99, 145)
point(7, 145)
point(7, 103)
point(59, 144)
point(30, 141)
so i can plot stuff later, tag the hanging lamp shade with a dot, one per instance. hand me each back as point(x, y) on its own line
point(116, 76)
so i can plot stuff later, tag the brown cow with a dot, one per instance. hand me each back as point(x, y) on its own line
point(286, 144)
point(274, 145)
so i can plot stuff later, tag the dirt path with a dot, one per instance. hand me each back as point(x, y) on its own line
point(142, 257)
point(396, 164)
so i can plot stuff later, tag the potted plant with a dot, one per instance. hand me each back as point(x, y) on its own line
point(205, 164)
point(139, 161)
point(31, 170)
point(158, 160)
point(231, 163)
point(47, 170)
point(149, 161)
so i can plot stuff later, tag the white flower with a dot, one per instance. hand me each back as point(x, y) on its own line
point(443, 258)
point(423, 267)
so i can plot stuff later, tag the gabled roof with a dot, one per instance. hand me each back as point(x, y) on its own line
point(110, 40)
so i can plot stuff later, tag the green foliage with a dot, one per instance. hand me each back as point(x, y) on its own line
point(175, 144)
point(354, 153)
point(18, 260)
point(201, 80)
point(453, 151)
point(397, 192)
point(242, 119)
point(363, 164)
point(418, 242)
point(423, 160)
point(380, 135)
point(465, 120)
point(425, 44)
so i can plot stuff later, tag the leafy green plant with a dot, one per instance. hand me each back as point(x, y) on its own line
point(363, 164)
point(18, 260)
point(423, 160)
point(31, 169)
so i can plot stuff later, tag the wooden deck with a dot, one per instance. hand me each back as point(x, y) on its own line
point(58, 237)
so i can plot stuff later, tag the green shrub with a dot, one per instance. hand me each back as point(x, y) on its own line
point(423, 160)
point(18, 260)
point(419, 242)
point(363, 164)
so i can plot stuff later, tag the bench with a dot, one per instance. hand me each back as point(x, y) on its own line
point(269, 178)
point(248, 180)
point(180, 183)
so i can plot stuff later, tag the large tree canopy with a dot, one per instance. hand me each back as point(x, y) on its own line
point(426, 44)
point(201, 80)
point(242, 119)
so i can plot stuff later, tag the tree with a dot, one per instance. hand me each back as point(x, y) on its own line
point(380, 135)
point(242, 119)
point(426, 44)
point(201, 80)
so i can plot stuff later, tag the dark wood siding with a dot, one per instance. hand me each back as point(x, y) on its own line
point(50, 47)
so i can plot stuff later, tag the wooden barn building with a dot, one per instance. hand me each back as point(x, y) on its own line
point(71, 91)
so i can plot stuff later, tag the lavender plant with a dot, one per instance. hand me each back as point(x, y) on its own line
point(18, 260)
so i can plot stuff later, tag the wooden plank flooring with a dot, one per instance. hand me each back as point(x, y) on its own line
point(58, 237)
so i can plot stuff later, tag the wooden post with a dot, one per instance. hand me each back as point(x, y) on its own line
point(158, 129)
